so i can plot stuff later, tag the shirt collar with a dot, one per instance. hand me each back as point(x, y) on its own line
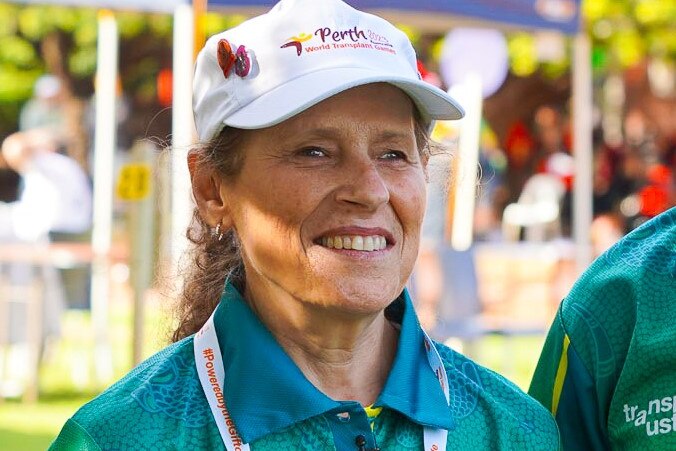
point(412, 388)
point(266, 392)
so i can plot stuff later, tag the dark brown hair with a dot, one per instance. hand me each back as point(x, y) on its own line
point(213, 262)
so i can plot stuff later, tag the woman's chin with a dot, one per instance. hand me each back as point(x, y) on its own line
point(358, 299)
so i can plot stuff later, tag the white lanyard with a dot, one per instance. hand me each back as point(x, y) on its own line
point(209, 363)
point(435, 439)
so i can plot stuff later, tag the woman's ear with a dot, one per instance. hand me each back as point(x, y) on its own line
point(211, 202)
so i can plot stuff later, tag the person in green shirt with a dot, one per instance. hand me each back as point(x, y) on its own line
point(608, 368)
point(296, 330)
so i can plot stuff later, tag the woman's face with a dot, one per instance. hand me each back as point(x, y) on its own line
point(328, 205)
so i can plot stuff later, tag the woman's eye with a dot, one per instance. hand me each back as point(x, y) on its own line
point(393, 155)
point(312, 152)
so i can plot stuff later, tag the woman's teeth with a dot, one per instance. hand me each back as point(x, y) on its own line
point(355, 242)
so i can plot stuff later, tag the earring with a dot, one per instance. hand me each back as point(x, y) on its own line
point(216, 233)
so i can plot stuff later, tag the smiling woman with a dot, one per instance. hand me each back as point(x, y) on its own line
point(295, 328)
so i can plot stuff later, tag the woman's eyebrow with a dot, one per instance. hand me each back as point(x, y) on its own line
point(394, 135)
point(322, 131)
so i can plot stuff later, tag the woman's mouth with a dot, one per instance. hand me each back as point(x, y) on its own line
point(367, 243)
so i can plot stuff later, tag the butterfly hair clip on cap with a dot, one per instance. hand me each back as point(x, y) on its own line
point(228, 60)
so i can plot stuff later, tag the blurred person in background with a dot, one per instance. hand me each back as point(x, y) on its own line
point(645, 179)
point(44, 136)
point(553, 158)
point(48, 193)
point(45, 109)
point(607, 225)
point(608, 367)
point(295, 327)
point(542, 209)
point(55, 193)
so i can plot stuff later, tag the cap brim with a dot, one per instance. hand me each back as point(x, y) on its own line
point(299, 94)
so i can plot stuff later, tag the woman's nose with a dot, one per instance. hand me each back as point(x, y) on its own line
point(363, 185)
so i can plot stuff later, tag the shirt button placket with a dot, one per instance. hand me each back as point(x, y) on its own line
point(351, 429)
point(360, 441)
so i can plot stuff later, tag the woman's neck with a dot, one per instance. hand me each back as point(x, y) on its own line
point(347, 357)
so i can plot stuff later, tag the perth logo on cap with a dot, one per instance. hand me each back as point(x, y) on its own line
point(339, 39)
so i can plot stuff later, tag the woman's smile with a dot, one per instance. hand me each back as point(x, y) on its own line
point(360, 239)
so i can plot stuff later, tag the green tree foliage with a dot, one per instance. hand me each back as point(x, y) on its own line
point(25, 52)
point(35, 39)
point(627, 31)
point(623, 33)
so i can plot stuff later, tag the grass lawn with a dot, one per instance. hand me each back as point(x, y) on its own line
point(34, 426)
point(67, 378)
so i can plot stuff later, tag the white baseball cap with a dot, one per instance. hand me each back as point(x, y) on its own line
point(301, 52)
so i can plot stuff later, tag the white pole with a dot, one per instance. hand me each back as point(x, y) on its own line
point(183, 130)
point(469, 95)
point(104, 150)
point(582, 150)
point(142, 227)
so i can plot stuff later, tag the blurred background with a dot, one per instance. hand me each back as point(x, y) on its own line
point(568, 144)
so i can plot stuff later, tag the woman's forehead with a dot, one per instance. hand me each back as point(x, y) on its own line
point(374, 94)
point(379, 105)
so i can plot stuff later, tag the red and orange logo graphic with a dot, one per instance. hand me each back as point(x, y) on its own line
point(297, 42)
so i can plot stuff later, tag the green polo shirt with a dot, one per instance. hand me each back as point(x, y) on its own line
point(160, 404)
point(608, 367)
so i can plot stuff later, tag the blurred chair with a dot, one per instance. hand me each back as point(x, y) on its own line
point(537, 212)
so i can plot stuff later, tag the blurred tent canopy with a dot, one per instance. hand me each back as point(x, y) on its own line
point(437, 15)
point(561, 15)
point(166, 6)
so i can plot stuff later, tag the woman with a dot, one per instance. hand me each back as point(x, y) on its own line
point(310, 196)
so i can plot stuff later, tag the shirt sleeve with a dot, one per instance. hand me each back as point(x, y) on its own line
point(74, 437)
point(563, 384)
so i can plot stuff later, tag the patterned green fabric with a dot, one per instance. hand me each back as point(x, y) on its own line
point(160, 404)
point(615, 381)
point(74, 438)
